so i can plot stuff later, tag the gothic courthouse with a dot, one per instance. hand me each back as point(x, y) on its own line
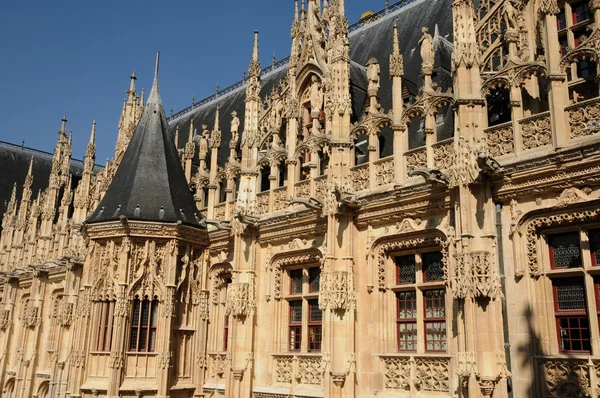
point(407, 206)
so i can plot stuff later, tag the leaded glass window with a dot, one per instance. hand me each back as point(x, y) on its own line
point(433, 266)
point(565, 251)
point(406, 269)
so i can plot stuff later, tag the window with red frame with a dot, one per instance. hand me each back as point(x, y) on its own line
point(561, 19)
point(578, 36)
point(435, 320)
point(405, 269)
point(407, 320)
point(572, 323)
point(580, 12)
point(225, 332)
point(295, 325)
point(315, 321)
point(565, 251)
point(143, 325)
point(433, 266)
point(105, 326)
point(296, 281)
point(594, 236)
point(314, 279)
point(563, 43)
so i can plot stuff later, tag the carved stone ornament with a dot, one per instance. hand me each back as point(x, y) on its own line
point(567, 378)
point(31, 318)
point(283, 261)
point(241, 299)
point(475, 276)
point(5, 319)
point(549, 7)
point(337, 291)
point(65, 313)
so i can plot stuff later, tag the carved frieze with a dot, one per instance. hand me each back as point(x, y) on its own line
point(475, 275)
point(337, 291)
point(241, 299)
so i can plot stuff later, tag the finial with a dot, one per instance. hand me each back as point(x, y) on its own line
point(154, 97)
point(177, 137)
point(216, 119)
point(255, 48)
point(131, 91)
point(70, 137)
point(63, 128)
point(296, 10)
point(191, 133)
point(396, 41)
point(30, 171)
point(143, 96)
point(93, 133)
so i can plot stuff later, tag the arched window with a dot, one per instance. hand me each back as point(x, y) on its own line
point(282, 180)
point(498, 107)
point(265, 183)
point(222, 191)
point(361, 150)
point(323, 162)
point(105, 325)
point(144, 320)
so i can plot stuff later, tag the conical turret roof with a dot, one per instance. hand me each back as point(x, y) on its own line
point(149, 184)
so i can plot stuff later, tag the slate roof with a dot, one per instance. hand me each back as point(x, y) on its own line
point(375, 39)
point(14, 164)
point(149, 184)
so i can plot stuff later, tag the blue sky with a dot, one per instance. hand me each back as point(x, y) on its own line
point(75, 58)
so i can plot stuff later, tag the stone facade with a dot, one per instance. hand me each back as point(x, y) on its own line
point(468, 266)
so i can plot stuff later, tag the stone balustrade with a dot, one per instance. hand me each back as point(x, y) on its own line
point(384, 171)
point(320, 187)
point(262, 202)
point(220, 211)
point(500, 139)
point(359, 176)
point(306, 369)
point(416, 372)
point(443, 154)
point(536, 131)
point(416, 158)
point(584, 118)
point(280, 199)
point(303, 189)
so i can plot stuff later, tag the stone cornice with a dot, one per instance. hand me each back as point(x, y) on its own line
point(143, 229)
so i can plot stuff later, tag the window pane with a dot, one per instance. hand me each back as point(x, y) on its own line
point(407, 305)
point(315, 312)
point(407, 336)
point(314, 279)
point(314, 342)
point(133, 340)
point(151, 339)
point(565, 250)
point(296, 281)
point(145, 310)
point(435, 336)
point(295, 311)
point(143, 334)
point(594, 236)
point(574, 333)
point(435, 306)
point(561, 19)
point(581, 12)
point(154, 317)
point(570, 295)
point(406, 269)
point(295, 338)
point(136, 312)
point(433, 266)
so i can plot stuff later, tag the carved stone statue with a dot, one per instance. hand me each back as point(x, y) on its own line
point(204, 140)
point(316, 95)
point(426, 44)
point(511, 14)
point(373, 71)
point(276, 111)
point(235, 126)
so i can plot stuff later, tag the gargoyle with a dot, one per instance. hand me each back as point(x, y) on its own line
point(245, 218)
point(488, 165)
point(434, 176)
point(346, 198)
point(219, 224)
point(311, 203)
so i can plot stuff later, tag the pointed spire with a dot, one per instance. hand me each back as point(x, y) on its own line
point(30, 171)
point(131, 91)
point(91, 148)
point(296, 18)
point(176, 140)
point(396, 41)
point(154, 97)
point(63, 128)
point(192, 131)
point(93, 133)
point(70, 137)
point(143, 97)
point(216, 120)
point(255, 48)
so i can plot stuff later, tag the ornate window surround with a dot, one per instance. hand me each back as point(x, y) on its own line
point(219, 274)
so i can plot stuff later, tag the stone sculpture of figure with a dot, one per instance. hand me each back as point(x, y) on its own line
point(204, 140)
point(373, 71)
point(276, 111)
point(426, 44)
point(511, 14)
point(235, 126)
point(276, 144)
point(316, 95)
